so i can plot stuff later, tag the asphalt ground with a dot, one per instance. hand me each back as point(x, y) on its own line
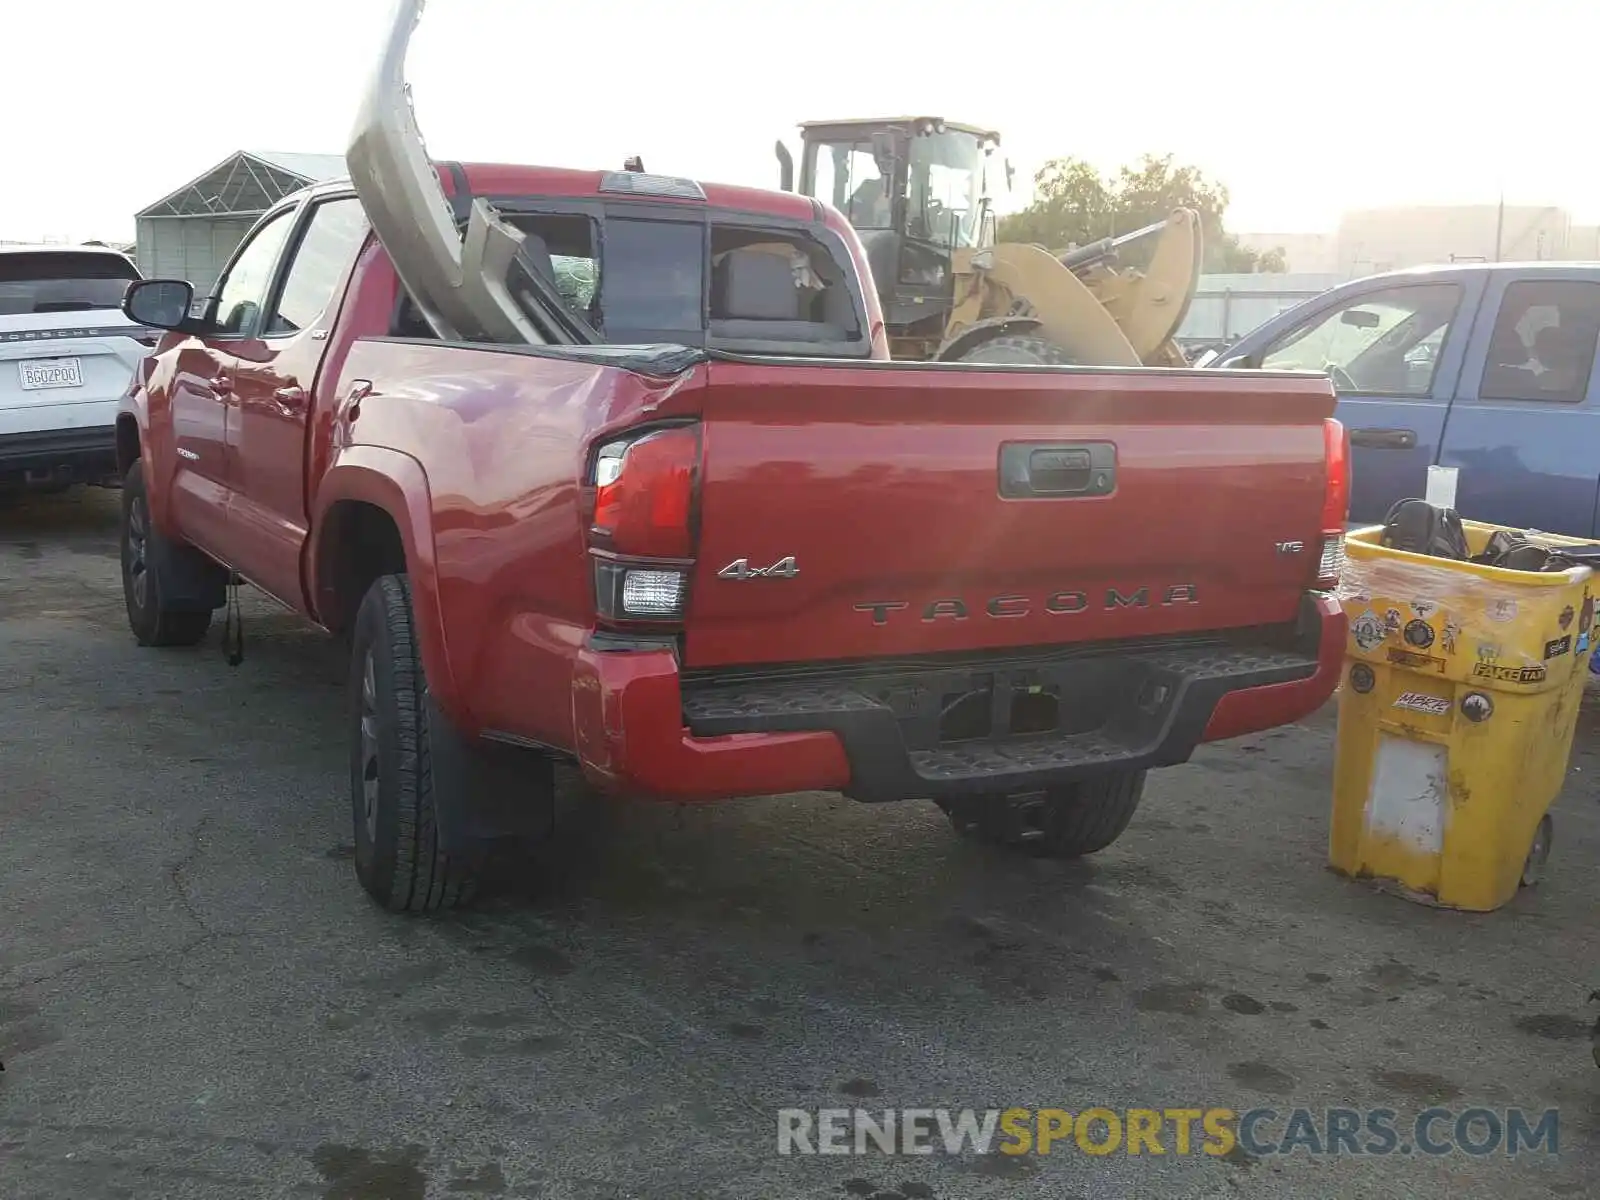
point(197, 1000)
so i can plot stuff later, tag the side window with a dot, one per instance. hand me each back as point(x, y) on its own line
point(326, 249)
point(654, 277)
point(243, 290)
point(1543, 345)
point(776, 286)
point(1386, 342)
point(848, 178)
point(562, 246)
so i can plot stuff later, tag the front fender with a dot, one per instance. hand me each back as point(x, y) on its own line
point(396, 483)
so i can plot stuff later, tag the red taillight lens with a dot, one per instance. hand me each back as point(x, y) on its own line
point(1335, 501)
point(644, 497)
point(642, 536)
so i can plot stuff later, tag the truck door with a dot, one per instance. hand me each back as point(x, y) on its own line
point(273, 384)
point(201, 395)
point(1394, 354)
point(1524, 430)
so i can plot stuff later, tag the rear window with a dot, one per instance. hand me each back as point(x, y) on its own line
point(50, 281)
point(652, 278)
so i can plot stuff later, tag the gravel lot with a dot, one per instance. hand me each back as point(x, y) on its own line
point(197, 1000)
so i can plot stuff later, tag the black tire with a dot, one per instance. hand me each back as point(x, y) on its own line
point(1065, 823)
point(147, 586)
point(398, 859)
point(1019, 349)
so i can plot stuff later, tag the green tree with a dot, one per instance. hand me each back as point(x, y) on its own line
point(1074, 204)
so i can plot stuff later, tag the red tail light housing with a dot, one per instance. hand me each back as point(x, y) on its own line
point(1335, 501)
point(644, 524)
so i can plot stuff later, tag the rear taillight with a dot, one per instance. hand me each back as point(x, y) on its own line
point(1335, 501)
point(642, 533)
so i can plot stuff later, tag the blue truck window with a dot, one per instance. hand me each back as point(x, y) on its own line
point(1385, 342)
point(1543, 345)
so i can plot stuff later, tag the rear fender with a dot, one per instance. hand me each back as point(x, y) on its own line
point(396, 483)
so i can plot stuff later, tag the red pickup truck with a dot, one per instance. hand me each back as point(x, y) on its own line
point(613, 468)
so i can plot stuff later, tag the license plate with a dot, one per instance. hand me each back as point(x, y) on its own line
point(37, 374)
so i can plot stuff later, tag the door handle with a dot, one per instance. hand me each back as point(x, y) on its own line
point(291, 400)
point(222, 383)
point(1384, 439)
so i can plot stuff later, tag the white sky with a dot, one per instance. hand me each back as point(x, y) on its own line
point(1304, 108)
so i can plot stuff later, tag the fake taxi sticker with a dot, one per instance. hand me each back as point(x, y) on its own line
point(1434, 706)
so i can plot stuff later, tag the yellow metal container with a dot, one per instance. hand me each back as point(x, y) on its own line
point(1456, 713)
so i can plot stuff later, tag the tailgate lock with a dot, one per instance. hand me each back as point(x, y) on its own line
point(1049, 469)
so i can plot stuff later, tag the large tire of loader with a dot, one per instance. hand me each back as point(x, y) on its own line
point(1067, 822)
point(1022, 349)
point(398, 858)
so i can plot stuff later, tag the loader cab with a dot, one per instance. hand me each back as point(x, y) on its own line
point(916, 189)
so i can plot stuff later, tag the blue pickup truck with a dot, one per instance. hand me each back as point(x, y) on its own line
point(1486, 367)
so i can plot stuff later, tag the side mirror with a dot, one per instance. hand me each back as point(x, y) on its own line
point(1238, 362)
point(785, 166)
point(159, 303)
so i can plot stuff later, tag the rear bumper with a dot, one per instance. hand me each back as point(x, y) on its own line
point(58, 456)
point(889, 734)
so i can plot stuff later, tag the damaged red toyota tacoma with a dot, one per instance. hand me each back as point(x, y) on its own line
point(613, 468)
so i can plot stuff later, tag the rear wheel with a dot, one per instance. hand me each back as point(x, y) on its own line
point(1021, 349)
point(398, 857)
point(1067, 822)
point(147, 583)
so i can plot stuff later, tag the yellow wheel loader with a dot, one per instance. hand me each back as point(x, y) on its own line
point(915, 189)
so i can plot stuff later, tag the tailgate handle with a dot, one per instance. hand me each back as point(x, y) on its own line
point(1046, 469)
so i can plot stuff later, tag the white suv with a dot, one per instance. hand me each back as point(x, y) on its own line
point(67, 355)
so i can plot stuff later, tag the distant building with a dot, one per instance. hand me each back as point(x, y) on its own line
point(189, 233)
point(1226, 307)
point(1386, 239)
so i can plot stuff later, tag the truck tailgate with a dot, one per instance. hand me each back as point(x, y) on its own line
point(920, 509)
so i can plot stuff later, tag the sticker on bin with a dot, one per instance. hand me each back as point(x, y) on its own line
point(1434, 706)
point(1493, 670)
point(1501, 610)
point(1556, 647)
point(1417, 662)
point(1368, 630)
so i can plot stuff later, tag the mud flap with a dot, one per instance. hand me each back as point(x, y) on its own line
point(485, 792)
point(190, 582)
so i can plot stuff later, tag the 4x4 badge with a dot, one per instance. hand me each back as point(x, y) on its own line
point(740, 568)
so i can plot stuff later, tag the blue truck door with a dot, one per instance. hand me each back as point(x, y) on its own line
point(1524, 430)
point(1394, 350)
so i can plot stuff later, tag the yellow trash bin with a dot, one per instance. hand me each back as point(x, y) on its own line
point(1456, 713)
